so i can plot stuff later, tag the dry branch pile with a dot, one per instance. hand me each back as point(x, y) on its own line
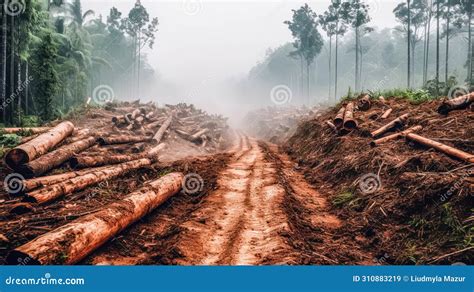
point(275, 124)
point(414, 206)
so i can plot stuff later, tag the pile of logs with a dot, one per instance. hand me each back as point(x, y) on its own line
point(134, 137)
point(275, 123)
point(344, 122)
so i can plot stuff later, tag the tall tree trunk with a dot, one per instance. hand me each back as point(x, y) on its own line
point(330, 67)
point(446, 62)
point(356, 77)
point(302, 78)
point(12, 66)
point(27, 87)
point(335, 85)
point(409, 47)
point(19, 90)
point(428, 44)
point(4, 67)
point(139, 61)
point(437, 48)
point(307, 82)
point(470, 49)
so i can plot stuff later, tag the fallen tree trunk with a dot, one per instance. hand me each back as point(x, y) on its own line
point(72, 242)
point(55, 191)
point(461, 102)
point(339, 119)
point(32, 131)
point(161, 131)
point(34, 183)
point(55, 158)
point(349, 122)
point(100, 160)
point(442, 147)
point(398, 121)
point(122, 139)
point(395, 136)
point(386, 113)
point(38, 146)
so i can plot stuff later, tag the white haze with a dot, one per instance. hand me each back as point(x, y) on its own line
point(203, 47)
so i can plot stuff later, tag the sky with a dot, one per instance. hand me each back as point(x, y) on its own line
point(201, 40)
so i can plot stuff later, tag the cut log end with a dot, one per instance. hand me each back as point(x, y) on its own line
point(19, 258)
point(16, 157)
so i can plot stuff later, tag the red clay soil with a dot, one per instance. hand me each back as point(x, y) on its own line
point(423, 211)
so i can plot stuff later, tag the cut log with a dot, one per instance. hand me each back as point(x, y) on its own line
point(52, 192)
point(38, 182)
point(55, 158)
point(137, 148)
point(198, 134)
point(396, 122)
point(395, 136)
point(72, 242)
point(349, 122)
point(100, 160)
point(339, 119)
point(461, 102)
point(364, 103)
point(386, 113)
point(38, 146)
point(442, 147)
point(122, 139)
point(331, 125)
point(32, 131)
point(161, 131)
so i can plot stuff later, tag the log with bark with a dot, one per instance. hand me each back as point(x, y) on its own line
point(386, 113)
point(72, 242)
point(122, 139)
point(441, 147)
point(461, 102)
point(52, 192)
point(339, 119)
point(100, 160)
point(395, 136)
point(35, 183)
point(349, 122)
point(38, 146)
point(161, 131)
point(55, 158)
point(31, 131)
point(385, 128)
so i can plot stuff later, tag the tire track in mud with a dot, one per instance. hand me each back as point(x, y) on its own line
point(243, 218)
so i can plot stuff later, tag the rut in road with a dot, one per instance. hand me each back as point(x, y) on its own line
point(245, 221)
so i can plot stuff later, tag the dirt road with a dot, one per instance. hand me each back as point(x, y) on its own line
point(259, 211)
